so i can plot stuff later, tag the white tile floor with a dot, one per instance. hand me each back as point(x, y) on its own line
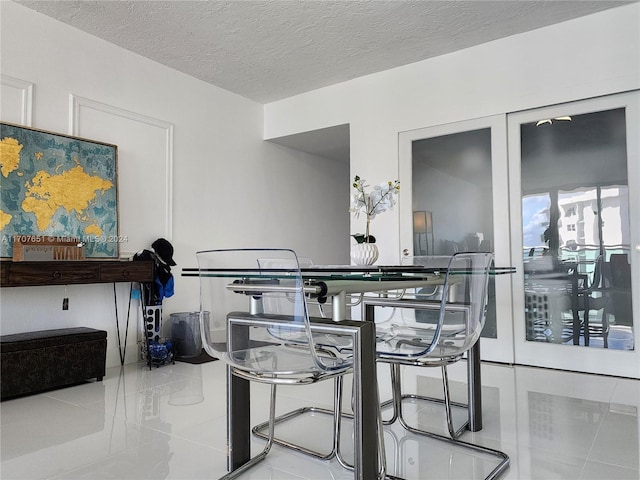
point(170, 423)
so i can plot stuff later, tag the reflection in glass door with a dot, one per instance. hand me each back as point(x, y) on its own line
point(568, 238)
point(574, 167)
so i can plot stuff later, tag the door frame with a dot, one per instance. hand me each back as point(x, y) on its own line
point(498, 349)
point(582, 359)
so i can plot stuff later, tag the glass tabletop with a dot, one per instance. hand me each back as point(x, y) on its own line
point(346, 272)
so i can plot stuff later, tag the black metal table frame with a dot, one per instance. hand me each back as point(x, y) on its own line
point(365, 414)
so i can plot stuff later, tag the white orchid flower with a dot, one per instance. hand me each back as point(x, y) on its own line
point(380, 199)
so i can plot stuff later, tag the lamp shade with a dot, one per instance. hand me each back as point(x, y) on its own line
point(419, 222)
point(422, 222)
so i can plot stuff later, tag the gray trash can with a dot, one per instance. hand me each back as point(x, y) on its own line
point(185, 334)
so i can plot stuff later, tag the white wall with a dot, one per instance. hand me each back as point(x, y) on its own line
point(192, 166)
point(587, 57)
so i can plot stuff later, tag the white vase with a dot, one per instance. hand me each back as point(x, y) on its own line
point(364, 253)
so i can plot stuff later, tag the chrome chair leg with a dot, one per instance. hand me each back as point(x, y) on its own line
point(447, 404)
point(336, 413)
point(501, 456)
point(454, 434)
point(382, 472)
point(398, 397)
point(262, 455)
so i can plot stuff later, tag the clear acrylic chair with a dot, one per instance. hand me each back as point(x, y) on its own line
point(329, 344)
point(435, 327)
point(272, 343)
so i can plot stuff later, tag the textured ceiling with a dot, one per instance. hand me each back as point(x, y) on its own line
point(269, 50)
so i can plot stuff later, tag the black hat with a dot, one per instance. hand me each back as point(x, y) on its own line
point(164, 250)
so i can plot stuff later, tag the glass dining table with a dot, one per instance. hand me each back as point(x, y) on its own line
point(335, 284)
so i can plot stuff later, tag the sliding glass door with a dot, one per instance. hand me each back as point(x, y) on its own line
point(554, 192)
point(575, 216)
point(454, 197)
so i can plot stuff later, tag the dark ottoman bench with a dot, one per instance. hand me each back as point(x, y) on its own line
point(31, 362)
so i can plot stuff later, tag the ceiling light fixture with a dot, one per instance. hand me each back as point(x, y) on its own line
point(550, 121)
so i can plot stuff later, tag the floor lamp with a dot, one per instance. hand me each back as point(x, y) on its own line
point(423, 225)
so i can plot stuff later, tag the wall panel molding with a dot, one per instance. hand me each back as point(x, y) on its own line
point(25, 91)
point(76, 106)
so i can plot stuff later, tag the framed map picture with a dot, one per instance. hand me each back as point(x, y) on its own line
point(58, 185)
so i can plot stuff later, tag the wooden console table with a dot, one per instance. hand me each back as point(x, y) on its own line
point(25, 274)
point(30, 274)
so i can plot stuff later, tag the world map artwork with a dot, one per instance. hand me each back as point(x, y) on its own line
point(59, 186)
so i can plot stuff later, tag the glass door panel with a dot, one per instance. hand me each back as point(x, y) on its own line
point(457, 201)
point(572, 169)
